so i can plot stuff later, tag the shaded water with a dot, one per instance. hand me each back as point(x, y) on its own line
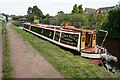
point(113, 47)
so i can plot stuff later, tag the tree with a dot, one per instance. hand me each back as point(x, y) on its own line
point(75, 9)
point(30, 16)
point(37, 12)
point(80, 9)
point(29, 11)
point(34, 13)
point(35, 17)
point(47, 16)
point(112, 24)
point(60, 13)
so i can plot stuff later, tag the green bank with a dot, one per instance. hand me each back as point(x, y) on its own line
point(6, 65)
point(0, 27)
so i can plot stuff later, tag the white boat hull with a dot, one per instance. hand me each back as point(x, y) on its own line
point(90, 55)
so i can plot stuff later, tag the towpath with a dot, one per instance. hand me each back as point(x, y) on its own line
point(26, 61)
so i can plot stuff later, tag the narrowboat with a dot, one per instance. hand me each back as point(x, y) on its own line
point(81, 40)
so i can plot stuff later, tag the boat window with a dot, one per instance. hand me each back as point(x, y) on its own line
point(42, 31)
point(83, 39)
point(57, 36)
point(26, 26)
point(48, 33)
point(36, 29)
point(93, 37)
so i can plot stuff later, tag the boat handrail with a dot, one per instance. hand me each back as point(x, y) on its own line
point(104, 36)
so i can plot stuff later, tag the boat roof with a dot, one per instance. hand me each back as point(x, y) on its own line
point(60, 28)
point(87, 30)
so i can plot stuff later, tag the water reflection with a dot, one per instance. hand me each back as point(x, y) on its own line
point(113, 47)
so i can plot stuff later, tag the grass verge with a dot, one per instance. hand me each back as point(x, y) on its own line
point(2, 23)
point(0, 27)
point(69, 65)
point(7, 67)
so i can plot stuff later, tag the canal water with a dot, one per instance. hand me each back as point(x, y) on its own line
point(113, 47)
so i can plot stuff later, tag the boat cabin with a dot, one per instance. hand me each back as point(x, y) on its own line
point(88, 39)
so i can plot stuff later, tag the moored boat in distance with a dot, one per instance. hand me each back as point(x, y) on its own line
point(81, 40)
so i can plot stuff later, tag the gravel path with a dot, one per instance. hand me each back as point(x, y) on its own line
point(26, 61)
